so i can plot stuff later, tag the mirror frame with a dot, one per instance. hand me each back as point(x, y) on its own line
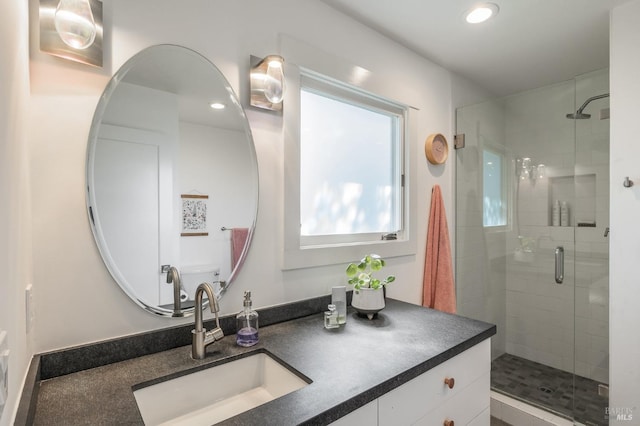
point(111, 87)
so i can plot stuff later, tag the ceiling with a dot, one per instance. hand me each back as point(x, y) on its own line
point(195, 82)
point(529, 44)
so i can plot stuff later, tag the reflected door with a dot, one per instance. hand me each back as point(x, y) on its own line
point(128, 170)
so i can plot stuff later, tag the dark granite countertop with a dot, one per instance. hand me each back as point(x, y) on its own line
point(349, 367)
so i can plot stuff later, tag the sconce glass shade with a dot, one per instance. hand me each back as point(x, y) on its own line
point(274, 82)
point(525, 171)
point(542, 172)
point(267, 82)
point(75, 24)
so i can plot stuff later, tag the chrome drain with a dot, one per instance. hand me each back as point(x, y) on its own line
point(545, 389)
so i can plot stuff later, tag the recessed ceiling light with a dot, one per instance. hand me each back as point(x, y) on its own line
point(481, 13)
point(218, 105)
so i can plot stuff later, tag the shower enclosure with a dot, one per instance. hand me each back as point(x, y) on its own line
point(532, 217)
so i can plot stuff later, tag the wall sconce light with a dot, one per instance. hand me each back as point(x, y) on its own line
point(72, 29)
point(75, 24)
point(525, 169)
point(267, 82)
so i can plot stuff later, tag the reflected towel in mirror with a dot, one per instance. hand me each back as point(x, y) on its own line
point(238, 240)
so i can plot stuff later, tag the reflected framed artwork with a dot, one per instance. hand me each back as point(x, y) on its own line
point(194, 215)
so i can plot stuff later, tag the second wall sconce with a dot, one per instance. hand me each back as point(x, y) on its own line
point(267, 82)
point(525, 169)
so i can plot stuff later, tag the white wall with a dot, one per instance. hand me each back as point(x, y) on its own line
point(14, 195)
point(77, 300)
point(210, 158)
point(624, 315)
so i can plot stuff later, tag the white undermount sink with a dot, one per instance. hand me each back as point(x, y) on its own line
point(208, 396)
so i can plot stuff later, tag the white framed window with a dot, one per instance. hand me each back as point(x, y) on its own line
point(351, 164)
point(347, 170)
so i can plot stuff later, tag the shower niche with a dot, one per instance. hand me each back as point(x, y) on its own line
point(579, 194)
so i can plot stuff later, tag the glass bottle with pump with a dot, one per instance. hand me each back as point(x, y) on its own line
point(247, 324)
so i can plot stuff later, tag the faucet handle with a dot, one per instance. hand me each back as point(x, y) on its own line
point(216, 333)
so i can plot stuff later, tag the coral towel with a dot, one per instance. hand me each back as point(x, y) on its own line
point(238, 240)
point(438, 291)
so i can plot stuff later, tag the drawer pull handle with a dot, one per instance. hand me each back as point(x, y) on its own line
point(449, 423)
point(451, 382)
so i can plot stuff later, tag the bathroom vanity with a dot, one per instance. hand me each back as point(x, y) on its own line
point(408, 365)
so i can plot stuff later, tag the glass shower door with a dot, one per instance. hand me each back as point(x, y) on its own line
point(531, 256)
point(592, 248)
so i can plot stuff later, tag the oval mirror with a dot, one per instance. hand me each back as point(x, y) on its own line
point(172, 179)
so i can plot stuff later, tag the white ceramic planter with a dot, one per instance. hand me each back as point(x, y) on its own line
point(368, 301)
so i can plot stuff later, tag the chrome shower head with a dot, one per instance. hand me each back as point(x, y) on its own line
point(579, 115)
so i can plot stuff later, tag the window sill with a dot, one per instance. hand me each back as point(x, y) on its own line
point(313, 256)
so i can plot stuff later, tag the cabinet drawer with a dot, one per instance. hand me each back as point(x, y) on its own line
point(413, 400)
point(463, 408)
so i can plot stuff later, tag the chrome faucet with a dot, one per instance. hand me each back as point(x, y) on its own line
point(173, 276)
point(201, 337)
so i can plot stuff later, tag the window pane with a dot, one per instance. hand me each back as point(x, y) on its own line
point(349, 178)
point(495, 207)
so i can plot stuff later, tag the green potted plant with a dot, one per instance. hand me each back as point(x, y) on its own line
point(368, 295)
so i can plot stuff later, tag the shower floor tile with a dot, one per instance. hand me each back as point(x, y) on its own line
point(549, 388)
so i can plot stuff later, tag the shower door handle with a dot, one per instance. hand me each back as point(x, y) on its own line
point(559, 265)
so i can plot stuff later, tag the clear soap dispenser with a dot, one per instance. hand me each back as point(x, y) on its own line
point(247, 324)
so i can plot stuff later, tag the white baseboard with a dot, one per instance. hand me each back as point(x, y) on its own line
point(518, 413)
